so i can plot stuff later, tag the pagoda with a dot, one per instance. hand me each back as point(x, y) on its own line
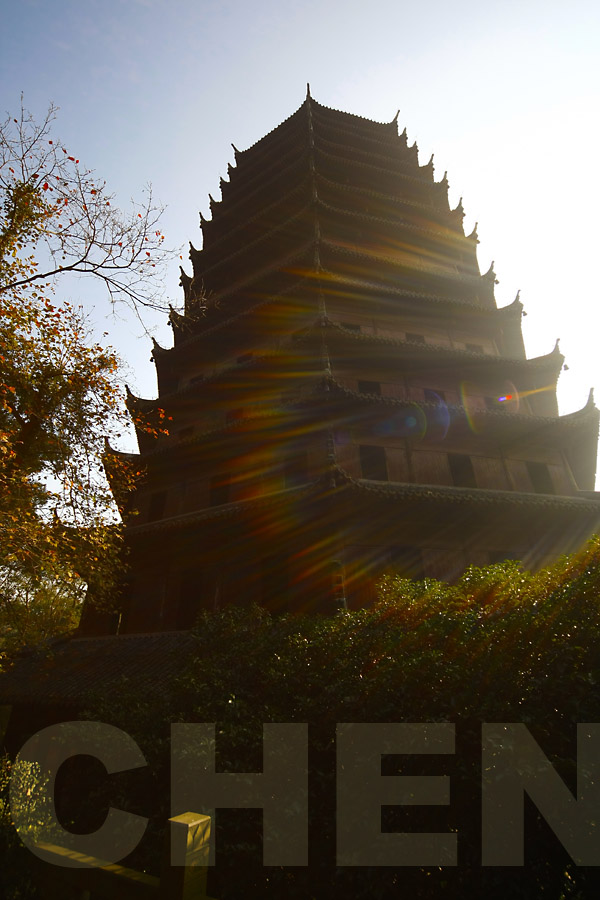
point(344, 396)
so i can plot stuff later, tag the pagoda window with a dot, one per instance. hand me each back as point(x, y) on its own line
point(540, 478)
point(373, 463)
point(219, 490)
point(350, 326)
point(370, 387)
point(156, 509)
point(415, 338)
point(461, 469)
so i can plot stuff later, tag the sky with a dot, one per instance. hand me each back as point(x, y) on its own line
point(505, 94)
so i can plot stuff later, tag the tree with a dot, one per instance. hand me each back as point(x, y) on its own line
point(60, 396)
point(57, 217)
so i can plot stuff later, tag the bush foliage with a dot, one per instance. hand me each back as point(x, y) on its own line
point(500, 645)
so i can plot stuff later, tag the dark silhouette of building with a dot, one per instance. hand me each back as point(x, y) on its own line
point(345, 396)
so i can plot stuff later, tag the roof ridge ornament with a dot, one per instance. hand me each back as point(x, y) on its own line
point(474, 236)
point(308, 96)
point(490, 274)
point(236, 152)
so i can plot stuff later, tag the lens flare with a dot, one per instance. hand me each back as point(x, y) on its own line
point(410, 421)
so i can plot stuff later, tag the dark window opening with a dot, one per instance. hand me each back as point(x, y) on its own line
point(219, 490)
point(461, 469)
point(434, 396)
point(474, 348)
point(370, 387)
point(540, 478)
point(350, 326)
point(415, 338)
point(156, 509)
point(372, 463)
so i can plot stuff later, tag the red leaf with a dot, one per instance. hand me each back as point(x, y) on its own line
point(45, 186)
point(72, 158)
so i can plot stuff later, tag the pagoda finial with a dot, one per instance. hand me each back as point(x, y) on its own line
point(308, 97)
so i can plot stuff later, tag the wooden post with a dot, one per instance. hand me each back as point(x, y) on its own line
point(187, 844)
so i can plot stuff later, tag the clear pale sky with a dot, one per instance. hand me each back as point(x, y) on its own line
point(506, 94)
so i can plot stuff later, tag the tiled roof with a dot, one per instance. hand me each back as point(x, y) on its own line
point(74, 669)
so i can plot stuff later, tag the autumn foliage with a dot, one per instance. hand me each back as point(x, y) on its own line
point(60, 397)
